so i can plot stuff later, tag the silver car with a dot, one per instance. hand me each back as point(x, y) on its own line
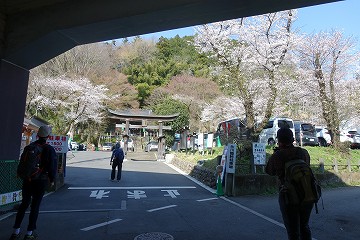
point(151, 146)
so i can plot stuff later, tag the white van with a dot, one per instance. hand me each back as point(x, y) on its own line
point(268, 134)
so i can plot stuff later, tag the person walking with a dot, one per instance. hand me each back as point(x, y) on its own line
point(296, 217)
point(116, 160)
point(33, 188)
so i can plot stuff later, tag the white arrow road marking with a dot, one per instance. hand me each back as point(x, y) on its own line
point(101, 224)
point(157, 209)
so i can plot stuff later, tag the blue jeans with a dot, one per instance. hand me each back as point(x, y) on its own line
point(296, 219)
point(32, 192)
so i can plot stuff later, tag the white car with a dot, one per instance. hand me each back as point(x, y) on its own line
point(130, 144)
point(74, 145)
point(324, 138)
point(345, 137)
point(107, 146)
point(268, 134)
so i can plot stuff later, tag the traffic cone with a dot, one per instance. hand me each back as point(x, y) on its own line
point(219, 189)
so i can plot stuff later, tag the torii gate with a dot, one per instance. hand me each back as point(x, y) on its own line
point(127, 117)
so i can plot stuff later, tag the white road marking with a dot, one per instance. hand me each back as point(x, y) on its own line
point(228, 200)
point(207, 199)
point(137, 194)
point(101, 224)
point(171, 193)
point(131, 188)
point(99, 194)
point(82, 210)
point(192, 179)
point(157, 209)
point(254, 212)
point(123, 205)
point(6, 216)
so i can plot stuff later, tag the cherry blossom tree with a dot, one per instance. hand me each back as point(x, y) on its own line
point(66, 102)
point(326, 58)
point(220, 109)
point(251, 53)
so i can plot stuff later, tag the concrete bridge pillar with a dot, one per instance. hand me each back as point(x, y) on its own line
point(13, 91)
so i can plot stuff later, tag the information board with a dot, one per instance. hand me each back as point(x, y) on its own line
point(259, 153)
point(231, 158)
point(60, 143)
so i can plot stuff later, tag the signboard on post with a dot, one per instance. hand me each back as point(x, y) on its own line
point(201, 142)
point(259, 153)
point(231, 158)
point(210, 139)
point(60, 143)
point(223, 162)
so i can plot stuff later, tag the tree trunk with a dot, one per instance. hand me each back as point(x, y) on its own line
point(328, 103)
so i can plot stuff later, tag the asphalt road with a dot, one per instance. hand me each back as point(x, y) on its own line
point(154, 200)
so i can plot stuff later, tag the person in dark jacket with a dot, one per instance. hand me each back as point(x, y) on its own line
point(116, 160)
point(33, 190)
point(295, 217)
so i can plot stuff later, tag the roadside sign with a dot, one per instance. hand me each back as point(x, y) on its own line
point(60, 143)
point(231, 158)
point(11, 197)
point(223, 162)
point(259, 153)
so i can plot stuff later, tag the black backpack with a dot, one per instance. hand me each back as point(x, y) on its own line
point(30, 161)
point(119, 155)
point(300, 184)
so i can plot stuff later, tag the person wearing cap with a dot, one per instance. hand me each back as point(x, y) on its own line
point(116, 160)
point(33, 190)
point(295, 217)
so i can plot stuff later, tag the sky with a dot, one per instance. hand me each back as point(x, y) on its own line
point(344, 16)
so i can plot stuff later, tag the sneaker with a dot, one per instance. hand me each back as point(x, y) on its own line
point(14, 236)
point(30, 237)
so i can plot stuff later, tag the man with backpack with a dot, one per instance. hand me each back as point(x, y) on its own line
point(37, 168)
point(292, 166)
point(116, 160)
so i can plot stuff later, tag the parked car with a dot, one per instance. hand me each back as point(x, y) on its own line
point(356, 142)
point(82, 147)
point(344, 137)
point(151, 146)
point(268, 134)
point(323, 136)
point(74, 145)
point(130, 145)
point(351, 133)
point(107, 146)
point(305, 134)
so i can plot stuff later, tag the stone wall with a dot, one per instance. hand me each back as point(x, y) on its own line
point(259, 183)
point(200, 173)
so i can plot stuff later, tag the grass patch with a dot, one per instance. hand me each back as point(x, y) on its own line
point(210, 160)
